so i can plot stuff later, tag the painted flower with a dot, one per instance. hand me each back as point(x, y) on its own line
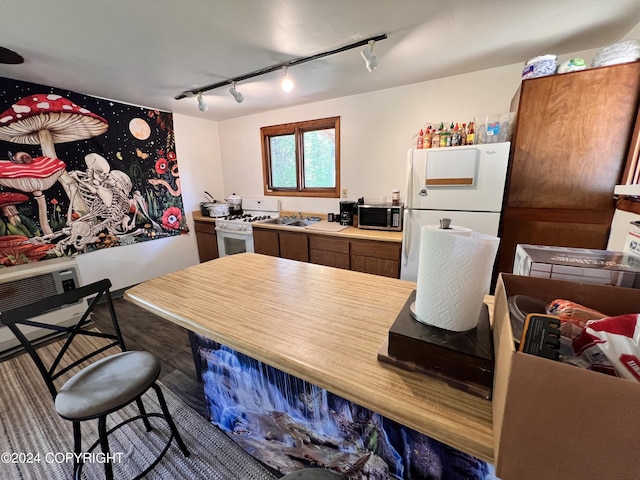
point(171, 156)
point(171, 218)
point(162, 166)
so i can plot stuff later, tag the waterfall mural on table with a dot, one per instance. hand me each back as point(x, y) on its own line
point(79, 174)
point(290, 424)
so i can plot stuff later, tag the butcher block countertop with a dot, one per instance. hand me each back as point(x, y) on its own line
point(324, 325)
point(349, 232)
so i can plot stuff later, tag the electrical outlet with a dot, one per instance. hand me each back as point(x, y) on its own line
point(344, 193)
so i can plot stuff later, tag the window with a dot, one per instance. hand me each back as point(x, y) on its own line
point(302, 158)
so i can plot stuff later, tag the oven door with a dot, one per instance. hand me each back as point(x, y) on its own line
point(232, 242)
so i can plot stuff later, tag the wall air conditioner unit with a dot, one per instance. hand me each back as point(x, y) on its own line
point(24, 284)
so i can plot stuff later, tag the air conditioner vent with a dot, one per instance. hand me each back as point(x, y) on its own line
point(26, 290)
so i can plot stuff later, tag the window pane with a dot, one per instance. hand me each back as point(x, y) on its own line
point(320, 158)
point(283, 161)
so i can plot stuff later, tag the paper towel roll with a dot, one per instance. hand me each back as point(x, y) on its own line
point(454, 275)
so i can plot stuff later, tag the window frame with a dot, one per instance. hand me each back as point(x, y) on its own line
point(298, 129)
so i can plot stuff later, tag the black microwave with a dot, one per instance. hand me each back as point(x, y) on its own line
point(380, 217)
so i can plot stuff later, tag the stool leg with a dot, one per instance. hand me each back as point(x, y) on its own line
point(104, 444)
point(77, 448)
point(167, 416)
point(145, 420)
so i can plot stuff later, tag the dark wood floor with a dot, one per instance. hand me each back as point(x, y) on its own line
point(143, 330)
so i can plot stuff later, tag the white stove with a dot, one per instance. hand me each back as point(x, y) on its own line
point(235, 232)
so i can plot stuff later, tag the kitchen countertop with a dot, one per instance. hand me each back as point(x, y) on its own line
point(335, 322)
point(349, 232)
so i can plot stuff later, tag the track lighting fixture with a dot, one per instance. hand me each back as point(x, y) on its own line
point(370, 59)
point(235, 93)
point(202, 106)
point(287, 83)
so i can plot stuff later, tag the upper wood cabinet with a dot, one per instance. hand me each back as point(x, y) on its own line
point(570, 148)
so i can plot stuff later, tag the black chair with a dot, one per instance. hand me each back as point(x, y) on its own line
point(104, 386)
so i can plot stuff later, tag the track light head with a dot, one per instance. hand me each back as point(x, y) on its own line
point(370, 59)
point(202, 106)
point(236, 94)
point(287, 83)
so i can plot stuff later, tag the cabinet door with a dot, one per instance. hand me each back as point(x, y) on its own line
point(330, 251)
point(375, 266)
point(294, 246)
point(207, 241)
point(571, 142)
point(266, 242)
point(565, 228)
point(572, 137)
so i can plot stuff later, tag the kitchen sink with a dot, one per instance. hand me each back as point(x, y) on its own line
point(291, 222)
point(277, 221)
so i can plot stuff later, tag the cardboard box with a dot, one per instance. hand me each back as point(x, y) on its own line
point(601, 267)
point(632, 243)
point(556, 421)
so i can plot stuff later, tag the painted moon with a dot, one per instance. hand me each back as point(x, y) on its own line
point(139, 129)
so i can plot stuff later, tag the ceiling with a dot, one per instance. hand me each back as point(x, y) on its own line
point(149, 51)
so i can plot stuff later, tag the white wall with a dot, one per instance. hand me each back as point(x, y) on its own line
point(376, 130)
point(197, 148)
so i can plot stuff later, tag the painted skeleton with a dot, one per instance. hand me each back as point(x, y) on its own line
point(106, 194)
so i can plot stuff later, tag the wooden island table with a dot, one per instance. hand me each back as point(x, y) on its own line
point(321, 324)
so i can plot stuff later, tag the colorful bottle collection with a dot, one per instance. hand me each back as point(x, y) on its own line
point(446, 135)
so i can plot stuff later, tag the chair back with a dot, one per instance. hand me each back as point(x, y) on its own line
point(26, 315)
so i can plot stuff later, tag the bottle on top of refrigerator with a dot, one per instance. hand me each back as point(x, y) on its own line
point(445, 136)
point(419, 140)
point(463, 134)
point(426, 139)
point(456, 136)
point(435, 138)
point(471, 133)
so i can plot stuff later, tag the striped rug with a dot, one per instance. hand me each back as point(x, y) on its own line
point(35, 443)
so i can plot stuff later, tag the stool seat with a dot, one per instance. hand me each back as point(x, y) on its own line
point(312, 474)
point(107, 385)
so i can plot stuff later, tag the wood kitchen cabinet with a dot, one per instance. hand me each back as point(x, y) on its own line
point(266, 242)
point(378, 258)
point(294, 246)
point(206, 240)
point(570, 146)
point(330, 251)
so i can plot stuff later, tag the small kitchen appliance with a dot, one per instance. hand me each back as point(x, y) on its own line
point(380, 217)
point(234, 233)
point(346, 212)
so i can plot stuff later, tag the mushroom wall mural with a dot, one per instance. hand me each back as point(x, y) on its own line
point(79, 174)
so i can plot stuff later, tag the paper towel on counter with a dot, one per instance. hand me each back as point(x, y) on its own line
point(454, 275)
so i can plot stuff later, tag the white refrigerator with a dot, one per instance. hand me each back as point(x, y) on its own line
point(465, 184)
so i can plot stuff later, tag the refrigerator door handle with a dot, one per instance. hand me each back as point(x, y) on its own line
point(407, 237)
point(410, 200)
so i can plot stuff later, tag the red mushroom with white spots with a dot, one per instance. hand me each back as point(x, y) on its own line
point(47, 119)
point(35, 178)
point(8, 202)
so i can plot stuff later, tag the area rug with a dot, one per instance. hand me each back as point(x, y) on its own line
point(35, 443)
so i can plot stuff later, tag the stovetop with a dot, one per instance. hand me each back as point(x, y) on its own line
point(246, 217)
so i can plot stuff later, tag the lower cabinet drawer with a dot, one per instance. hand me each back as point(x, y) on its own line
point(376, 266)
point(329, 244)
point(330, 259)
point(371, 248)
